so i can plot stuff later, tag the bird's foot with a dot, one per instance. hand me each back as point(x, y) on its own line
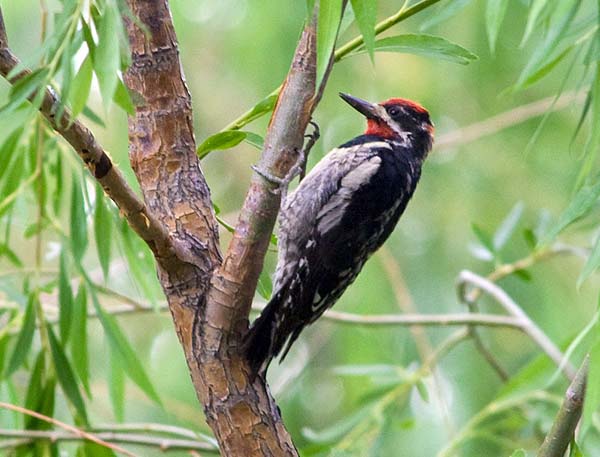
point(298, 169)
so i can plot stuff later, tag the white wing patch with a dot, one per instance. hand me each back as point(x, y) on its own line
point(333, 210)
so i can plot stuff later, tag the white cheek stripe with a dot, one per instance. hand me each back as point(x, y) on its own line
point(385, 117)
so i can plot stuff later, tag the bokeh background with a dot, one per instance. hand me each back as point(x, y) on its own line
point(334, 387)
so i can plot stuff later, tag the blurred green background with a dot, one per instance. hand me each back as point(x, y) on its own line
point(235, 52)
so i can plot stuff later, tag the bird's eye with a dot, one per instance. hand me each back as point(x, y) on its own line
point(393, 111)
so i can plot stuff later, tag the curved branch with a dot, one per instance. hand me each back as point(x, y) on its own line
point(530, 328)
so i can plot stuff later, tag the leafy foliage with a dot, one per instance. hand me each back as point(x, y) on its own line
point(70, 264)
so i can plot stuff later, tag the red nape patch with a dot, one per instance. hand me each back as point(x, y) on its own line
point(403, 101)
point(375, 127)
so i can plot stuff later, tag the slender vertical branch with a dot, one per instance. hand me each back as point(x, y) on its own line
point(561, 433)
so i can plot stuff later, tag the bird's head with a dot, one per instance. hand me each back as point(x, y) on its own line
point(394, 119)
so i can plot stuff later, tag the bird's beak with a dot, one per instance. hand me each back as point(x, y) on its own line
point(362, 106)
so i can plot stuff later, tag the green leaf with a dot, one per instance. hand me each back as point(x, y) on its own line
point(24, 339)
point(221, 140)
point(265, 285)
point(121, 347)
point(523, 274)
point(88, 37)
point(422, 389)
point(330, 16)
point(81, 87)
point(519, 453)
point(255, 140)
point(8, 148)
point(116, 385)
point(508, 226)
point(263, 107)
point(66, 376)
point(494, 16)
point(45, 406)
point(35, 387)
point(123, 98)
point(92, 116)
point(8, 188)
point(137, 255)
point(580, 205)
point(58, 181)
point(36, 228)
point(536, 8)
point(78, 220)
point(78, 342)
point(530, 238)
point(66, 66)
point(592, 263)
point(365, 12)
point(25, 88)
point(484, 238)
point(103, 225)
point(337, 431)
point(544, 69)
point(426, 45)
point(564, 12)
point(65, 299)
point(8, 253)
point(92, 449)
point(107, 58)
point(594, 138)
point(574, 450)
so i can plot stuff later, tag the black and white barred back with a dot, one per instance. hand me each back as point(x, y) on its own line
point(339, 215)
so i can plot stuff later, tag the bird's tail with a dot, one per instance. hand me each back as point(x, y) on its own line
point(266, 337)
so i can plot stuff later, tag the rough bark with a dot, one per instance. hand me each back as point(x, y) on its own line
point(209, 299)
point(97, 161)
point(211, 305)
point(241, 407)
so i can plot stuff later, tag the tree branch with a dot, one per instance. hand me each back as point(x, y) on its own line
point(402, 14)
point(83, 435)
point(466, 278)
point(97, 161)
point(162, 443)
point(236, 280)
point(560, 435)
point(506, 119)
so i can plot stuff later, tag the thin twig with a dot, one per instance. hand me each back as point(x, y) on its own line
point(164, 444)
point(535, 257)
point(506, 119)
point(341, 52)
point(529, 327)
point(560, 435)
point(147, 427)
point(402, 14)
point(80, 434)
point(482, 348)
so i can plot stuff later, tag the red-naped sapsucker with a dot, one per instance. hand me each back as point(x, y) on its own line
point(339, 215)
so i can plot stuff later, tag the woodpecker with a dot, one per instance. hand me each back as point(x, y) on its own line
point(340, 214)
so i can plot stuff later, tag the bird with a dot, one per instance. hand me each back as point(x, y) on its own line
point(337, 217)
